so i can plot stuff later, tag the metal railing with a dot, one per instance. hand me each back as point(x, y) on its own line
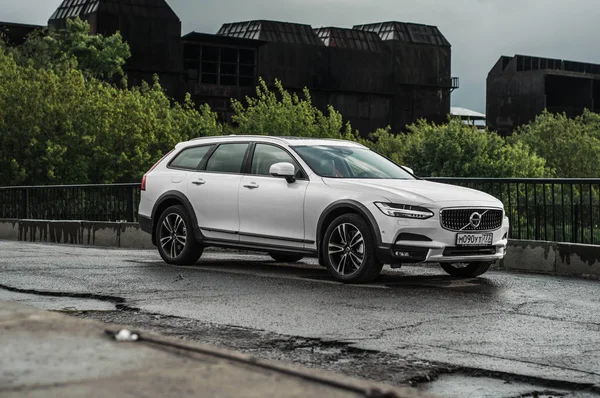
point(111, 202)
point(560, 210)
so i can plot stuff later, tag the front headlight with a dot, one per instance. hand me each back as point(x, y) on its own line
point(404, 211)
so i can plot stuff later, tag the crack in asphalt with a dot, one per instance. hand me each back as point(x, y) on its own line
point(48, 269)
point(518, 307)
point(551, 318)
point(383, 332)
point(522, 361)
point(428, 373)
point(518, 310)
point(536, 394)
point(101, 297)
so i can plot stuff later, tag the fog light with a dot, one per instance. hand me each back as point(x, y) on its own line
point(402, 254)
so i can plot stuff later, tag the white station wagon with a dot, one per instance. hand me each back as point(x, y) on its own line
point(350, 207)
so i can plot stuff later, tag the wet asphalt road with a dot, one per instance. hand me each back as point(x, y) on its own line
point(542, 327)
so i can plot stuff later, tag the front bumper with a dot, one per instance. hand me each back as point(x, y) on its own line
point(408, 252)
point(436, 244)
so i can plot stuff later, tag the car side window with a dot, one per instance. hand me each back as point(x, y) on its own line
point(267, 155)
point(228, 158)
point(190, 158)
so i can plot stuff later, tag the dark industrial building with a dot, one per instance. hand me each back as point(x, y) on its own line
point(14, 33)
point(376, 75)
point(519, 88)
point(150, 27)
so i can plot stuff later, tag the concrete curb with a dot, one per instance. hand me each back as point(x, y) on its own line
point(529, 256)
point(54, 355)
point(553, 258)
point(90, 233)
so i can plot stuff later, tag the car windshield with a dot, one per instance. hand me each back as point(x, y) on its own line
point(350, 162)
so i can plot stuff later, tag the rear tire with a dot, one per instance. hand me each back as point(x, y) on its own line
point(349, 250)
point(285, 257)
point(175, 237)
point(471, 270)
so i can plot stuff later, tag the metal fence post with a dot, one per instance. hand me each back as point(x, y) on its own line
point(25, 204)
point(575, 232)
point(130, 211)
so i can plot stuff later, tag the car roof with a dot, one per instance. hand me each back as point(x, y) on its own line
point(289, 141)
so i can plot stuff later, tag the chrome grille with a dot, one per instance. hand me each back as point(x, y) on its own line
point(459, 219)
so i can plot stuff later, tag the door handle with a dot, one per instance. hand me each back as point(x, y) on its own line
point(199, 182)
point(252, 185)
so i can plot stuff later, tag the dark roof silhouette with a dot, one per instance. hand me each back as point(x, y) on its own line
point(350, 38)
point(272, 31)
point(137, 8)
point(525, 63)
point(406, 32)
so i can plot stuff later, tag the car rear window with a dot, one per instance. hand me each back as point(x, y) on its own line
point(190, 158)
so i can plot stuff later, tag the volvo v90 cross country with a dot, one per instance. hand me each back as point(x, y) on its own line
point(335, 200)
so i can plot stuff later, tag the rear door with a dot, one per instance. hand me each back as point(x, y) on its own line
point(213, 191)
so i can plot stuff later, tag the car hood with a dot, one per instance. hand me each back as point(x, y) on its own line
point(415, 192)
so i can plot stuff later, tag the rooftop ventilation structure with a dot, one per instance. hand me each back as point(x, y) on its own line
point(350, 38)
point(136, 8)
point(406, 33)
point(271, 31)
point(75, 8)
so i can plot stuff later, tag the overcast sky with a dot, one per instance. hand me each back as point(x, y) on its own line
point(480, 31)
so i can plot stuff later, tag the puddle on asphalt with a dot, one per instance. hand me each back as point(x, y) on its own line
point(56, 303)
point(462, 386)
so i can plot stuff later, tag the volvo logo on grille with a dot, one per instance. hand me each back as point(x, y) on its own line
point(475, 220)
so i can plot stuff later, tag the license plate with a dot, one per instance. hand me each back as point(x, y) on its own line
point(474, 239)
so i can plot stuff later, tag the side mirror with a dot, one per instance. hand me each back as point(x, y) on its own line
point(285, 170)
point(409, 170)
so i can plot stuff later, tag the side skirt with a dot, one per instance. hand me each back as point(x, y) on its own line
point(254, 247)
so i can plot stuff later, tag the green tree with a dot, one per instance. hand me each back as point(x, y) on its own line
point(571, 146)
point(393, 146)
point(64, 127)
point(458, 150)
point(280, 112)
point(96, 55)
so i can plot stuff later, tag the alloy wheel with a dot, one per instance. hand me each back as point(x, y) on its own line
point(173, 235)
point(346, 249)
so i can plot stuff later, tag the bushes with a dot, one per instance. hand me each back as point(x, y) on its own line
point(282, 113)
point(59, 126)
point(453, 149)
point(571, 147)
point(59, 123)
point(457, 150)
point(95, 55)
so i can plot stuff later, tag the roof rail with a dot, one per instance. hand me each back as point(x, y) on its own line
point(239, 136)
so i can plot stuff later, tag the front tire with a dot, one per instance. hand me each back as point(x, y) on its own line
point(175, 237)
point(469, 270)
point(285, 257)
point(349, 250)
